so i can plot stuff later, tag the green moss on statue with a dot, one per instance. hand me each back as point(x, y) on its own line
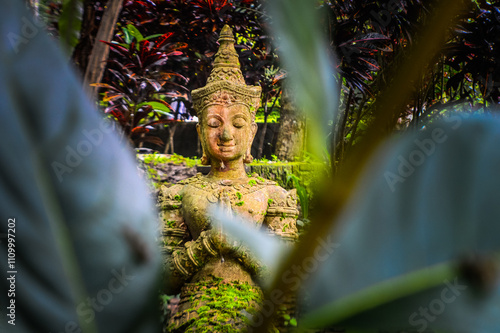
point(221, 307)
point(217, 278)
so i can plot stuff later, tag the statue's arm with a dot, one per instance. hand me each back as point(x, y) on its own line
point(175, 234)
point(183, 256)
point(281, 220)
point(282, 212)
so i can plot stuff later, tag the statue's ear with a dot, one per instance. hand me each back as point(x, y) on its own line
point(248, 156)
point(205, 160)
point(254, 129)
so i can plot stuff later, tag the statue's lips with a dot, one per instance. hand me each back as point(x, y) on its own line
point(228, 148)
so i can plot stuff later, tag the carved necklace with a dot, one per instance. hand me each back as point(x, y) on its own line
point(227, 188)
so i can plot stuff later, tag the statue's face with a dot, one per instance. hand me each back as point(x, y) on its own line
point(228, 131)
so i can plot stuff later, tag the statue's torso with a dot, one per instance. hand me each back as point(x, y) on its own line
point(186, 215)
point(259, 202)
point(247, 198)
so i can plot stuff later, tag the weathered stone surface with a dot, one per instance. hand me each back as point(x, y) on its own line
point(199, 259)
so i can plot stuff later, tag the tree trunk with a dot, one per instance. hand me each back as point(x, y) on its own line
point(267, 112)
point(100, 51)
point(262, 138)
point(169, 147)
point(291, 133)
point(339, 136)
point(88, 33)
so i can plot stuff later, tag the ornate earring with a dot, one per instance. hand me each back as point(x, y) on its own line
point(204, 159)
point(248, 157)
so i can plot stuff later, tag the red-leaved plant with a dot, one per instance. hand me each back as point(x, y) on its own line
point(136, 92)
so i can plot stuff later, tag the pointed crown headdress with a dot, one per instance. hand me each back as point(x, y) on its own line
point(225, 85)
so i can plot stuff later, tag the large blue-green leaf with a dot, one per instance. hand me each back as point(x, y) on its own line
point(418, 243)
point(86, 253)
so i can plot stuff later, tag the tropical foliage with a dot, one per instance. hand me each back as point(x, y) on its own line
point(400, 64)
point(192, 26)
point(196, 24)
point(369, 37)
point(135, 89)
point(399, 250)
point(366, 37)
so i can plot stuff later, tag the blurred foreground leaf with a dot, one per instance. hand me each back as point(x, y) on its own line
point(418, 247)
point(267, 249)
point(85, 248)
point(338, 191)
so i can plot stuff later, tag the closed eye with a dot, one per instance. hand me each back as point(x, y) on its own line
point(214, 123)
point(239, 123)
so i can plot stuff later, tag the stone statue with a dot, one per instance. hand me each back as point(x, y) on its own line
point(217, 280)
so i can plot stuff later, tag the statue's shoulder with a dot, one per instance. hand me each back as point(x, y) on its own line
point(270, 186)
point(170, 197)
point(199, 181)
point(169, 190)
point(255, 183)
point(278, 196)
point(255, 179)
point(279, 193)
point(282, 200)
point(192, 180)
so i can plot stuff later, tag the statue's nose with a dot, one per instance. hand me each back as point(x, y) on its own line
point(226, 136)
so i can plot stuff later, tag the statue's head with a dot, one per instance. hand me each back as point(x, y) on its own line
point(226, 107)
